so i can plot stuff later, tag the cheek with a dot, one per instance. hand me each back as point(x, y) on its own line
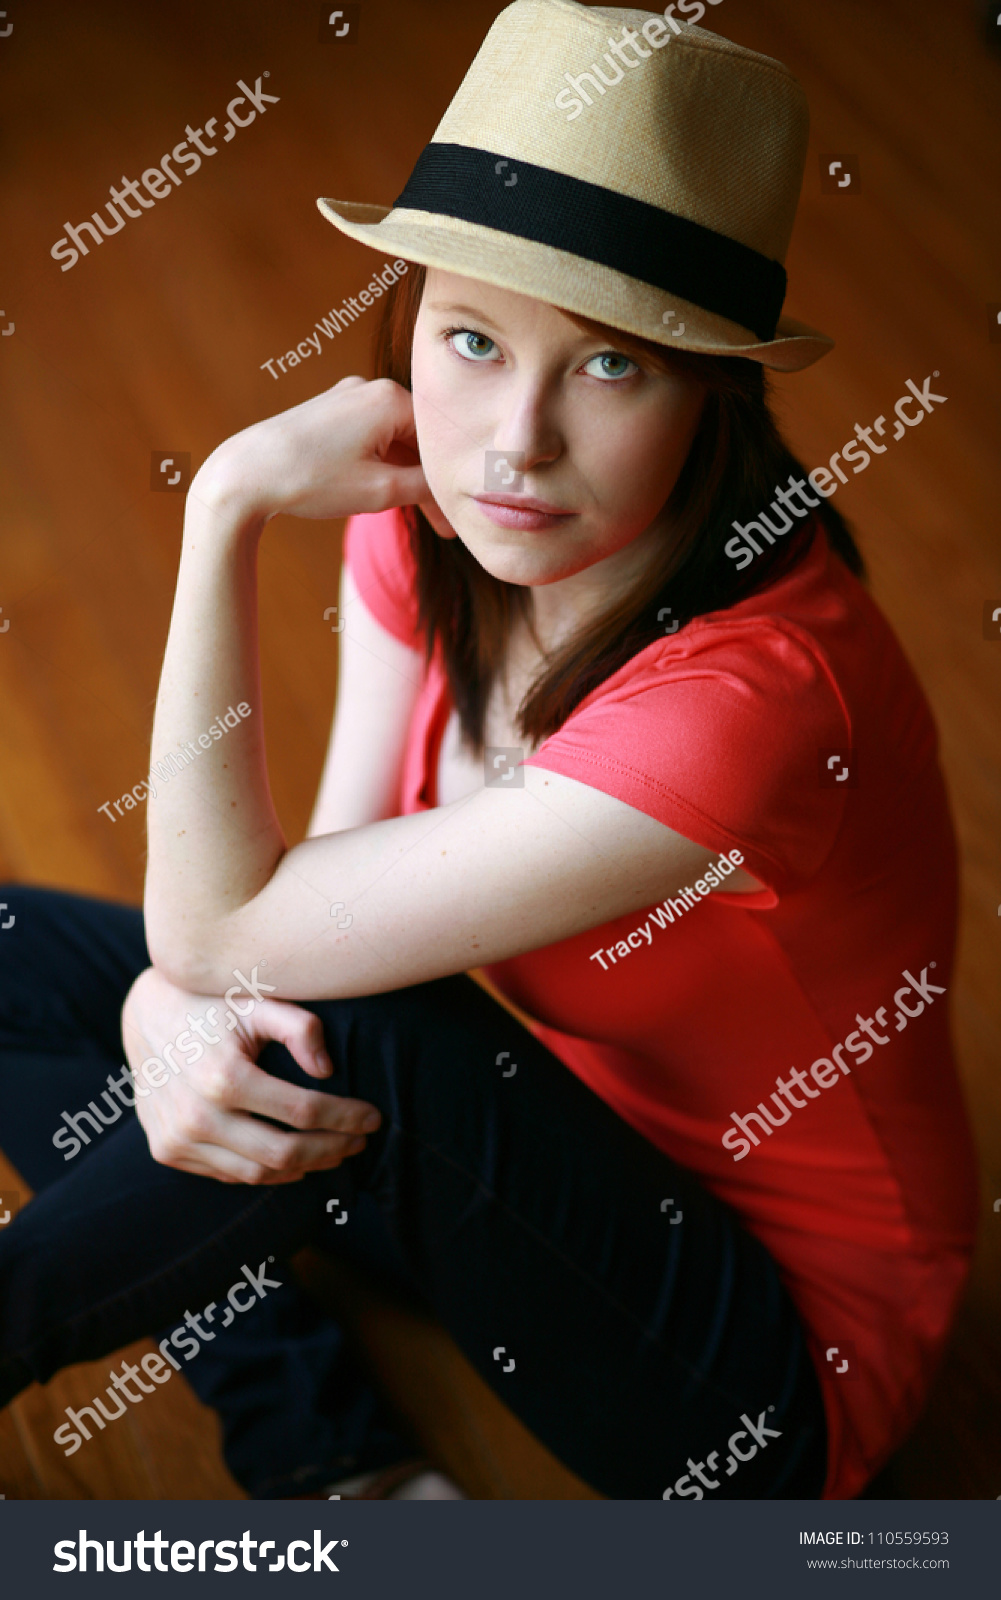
point(637, 464)
point(443, 434)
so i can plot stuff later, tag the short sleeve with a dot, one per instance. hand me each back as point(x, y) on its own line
point(378, 556)
point(718, 735)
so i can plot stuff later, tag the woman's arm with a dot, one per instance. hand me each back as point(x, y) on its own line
point(214, 838)
point(378, 681)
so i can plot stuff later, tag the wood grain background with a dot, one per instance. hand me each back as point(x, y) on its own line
point(155, 342)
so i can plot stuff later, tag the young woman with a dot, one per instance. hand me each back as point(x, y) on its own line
point(704, 1222)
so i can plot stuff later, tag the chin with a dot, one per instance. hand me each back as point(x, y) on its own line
point(515, 559)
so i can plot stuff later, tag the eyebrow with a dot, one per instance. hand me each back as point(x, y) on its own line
point(465, 311)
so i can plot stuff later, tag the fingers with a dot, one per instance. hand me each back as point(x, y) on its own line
point(301, 1032)
point(401, 486)
point(403, 453)
point(240, 1085)
point(239, 1148)
point(206, 1120)
point(213, 1161)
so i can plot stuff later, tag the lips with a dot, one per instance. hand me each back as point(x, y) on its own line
point(523, 502)
point(522, 512)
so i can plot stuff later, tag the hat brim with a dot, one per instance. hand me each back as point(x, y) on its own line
point(560, 279)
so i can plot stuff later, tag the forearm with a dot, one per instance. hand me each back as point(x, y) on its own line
point(214, 839)
point(378, 681)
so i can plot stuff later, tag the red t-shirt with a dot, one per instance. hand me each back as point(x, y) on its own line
point(864, 1189)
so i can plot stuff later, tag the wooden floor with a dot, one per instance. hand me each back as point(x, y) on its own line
point(155, 342)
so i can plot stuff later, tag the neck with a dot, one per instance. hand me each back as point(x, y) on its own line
point(571, 604)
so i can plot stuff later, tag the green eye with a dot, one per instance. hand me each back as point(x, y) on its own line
point(611, 365)
point(472, 346)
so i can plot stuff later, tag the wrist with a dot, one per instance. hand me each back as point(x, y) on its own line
point(227, 496)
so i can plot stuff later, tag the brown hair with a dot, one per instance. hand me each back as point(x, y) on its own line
point(736, 459)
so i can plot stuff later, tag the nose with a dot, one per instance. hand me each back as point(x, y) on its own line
point(528, 425)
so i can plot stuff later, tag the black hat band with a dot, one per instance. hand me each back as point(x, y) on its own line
point(613, 230)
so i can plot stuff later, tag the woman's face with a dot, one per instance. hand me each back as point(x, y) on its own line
point(595, 442)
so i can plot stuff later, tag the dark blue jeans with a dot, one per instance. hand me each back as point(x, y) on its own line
point(525, 1212)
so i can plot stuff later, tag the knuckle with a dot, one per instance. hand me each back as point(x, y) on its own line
point(220, 1082)
point(308, 1116)
point(284, 1156)
point(197, 1122)
point(165, 1150)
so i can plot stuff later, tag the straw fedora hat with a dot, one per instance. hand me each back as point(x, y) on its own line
point(620, 165)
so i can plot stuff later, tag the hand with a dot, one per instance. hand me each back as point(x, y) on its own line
point(352, 448)
point(199, 1119)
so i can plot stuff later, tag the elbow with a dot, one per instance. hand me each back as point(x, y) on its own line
point(184, 956)
point(185, 967)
